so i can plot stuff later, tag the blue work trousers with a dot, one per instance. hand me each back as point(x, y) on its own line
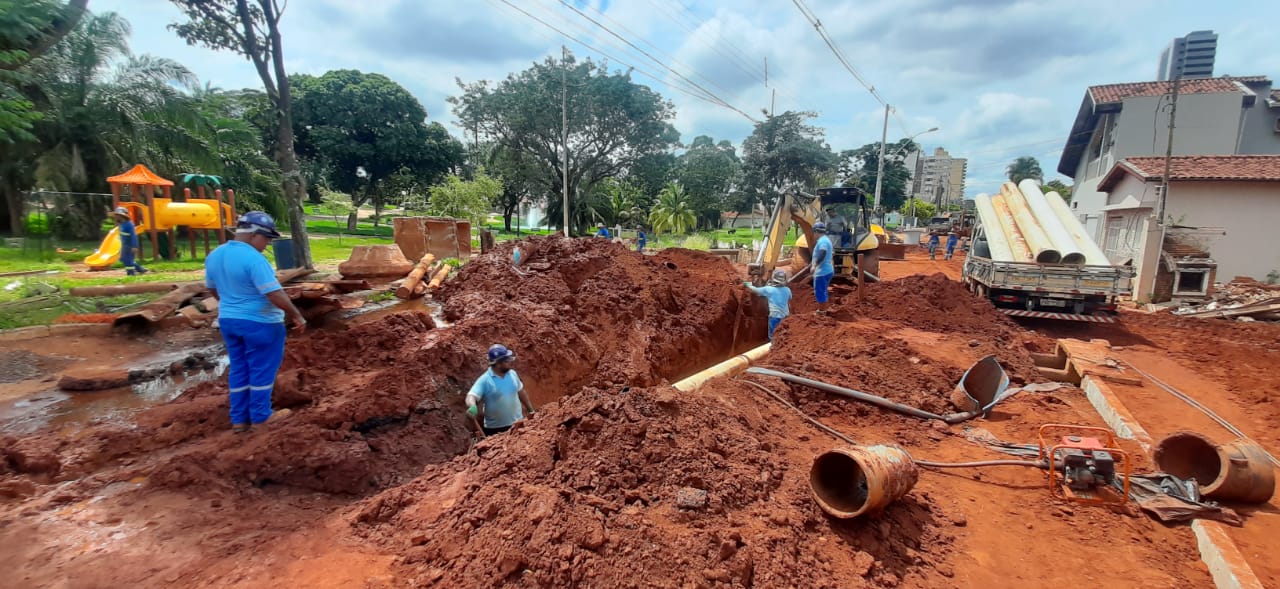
point(821, 284)
point(130, 263)
point(773, 324)
point(255, 350)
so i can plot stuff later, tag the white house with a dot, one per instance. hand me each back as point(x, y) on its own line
point(1228, 206)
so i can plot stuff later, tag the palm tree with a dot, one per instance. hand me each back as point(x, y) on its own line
point(672, 211)
point(1023, 168)
point(105, 109)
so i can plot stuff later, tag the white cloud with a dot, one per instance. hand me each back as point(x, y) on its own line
point(1001, 78)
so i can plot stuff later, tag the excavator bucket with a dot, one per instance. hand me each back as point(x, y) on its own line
point(983, 385)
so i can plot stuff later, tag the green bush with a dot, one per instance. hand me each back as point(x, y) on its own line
point(697, 241)
point(37, 224)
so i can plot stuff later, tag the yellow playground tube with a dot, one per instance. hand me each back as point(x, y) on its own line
point(199, 213)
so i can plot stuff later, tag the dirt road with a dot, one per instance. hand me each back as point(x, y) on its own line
point(375, 481)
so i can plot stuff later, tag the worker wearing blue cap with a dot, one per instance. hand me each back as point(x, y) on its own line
point(498, 396)
point(252, 311)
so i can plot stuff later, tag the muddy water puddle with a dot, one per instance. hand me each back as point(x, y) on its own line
point(60, 409)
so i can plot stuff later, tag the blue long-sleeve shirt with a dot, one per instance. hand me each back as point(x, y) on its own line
point(779, 298)
point(128, 235)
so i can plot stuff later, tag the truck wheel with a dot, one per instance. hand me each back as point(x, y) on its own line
point(1031, 304)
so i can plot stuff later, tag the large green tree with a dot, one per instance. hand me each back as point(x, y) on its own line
point(610, 124)
point(363, 128)
point(785, 152)
point(1025, 167)
point(709, 173)
point(105, 109)
point(858, 167)
point(252, 28)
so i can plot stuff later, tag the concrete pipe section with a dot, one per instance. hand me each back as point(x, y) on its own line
point(1235, 471)
point(850, 481)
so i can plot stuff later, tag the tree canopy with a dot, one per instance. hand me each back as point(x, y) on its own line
point(612, 124)
point(784, 152)
point(363, 128)
point(858, 167)
point(709, 174)
point(1023, 168)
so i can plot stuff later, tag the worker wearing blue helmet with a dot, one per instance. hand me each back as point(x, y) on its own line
point(822, 265)
point(252, 312)
point(498, 397)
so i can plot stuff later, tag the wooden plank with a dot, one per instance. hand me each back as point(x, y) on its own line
point(159, 308)
point(112, 290)
point(1268, 306)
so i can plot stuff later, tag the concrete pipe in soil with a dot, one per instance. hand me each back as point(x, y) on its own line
point(850, 481)
point(1235, 471)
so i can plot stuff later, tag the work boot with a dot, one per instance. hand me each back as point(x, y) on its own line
point(278, 415)
point(142, 270)
point(239, 428)
point(130, 272)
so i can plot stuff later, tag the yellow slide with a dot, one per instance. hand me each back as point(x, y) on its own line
point(109, 252)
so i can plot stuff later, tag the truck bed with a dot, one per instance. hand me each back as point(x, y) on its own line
point(1049, 278)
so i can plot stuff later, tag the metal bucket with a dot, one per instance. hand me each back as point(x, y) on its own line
point(850, 481)
point(1236, 471)
point(983, 385)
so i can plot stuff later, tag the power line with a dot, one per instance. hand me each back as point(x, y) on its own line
point(659, 50)
point(735, 55)
point(822, 31)
point(588, 46)
point(722, 102)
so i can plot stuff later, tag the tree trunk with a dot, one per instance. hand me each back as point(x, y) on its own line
point(377, 209)
point(13, 200)
point(352, 219)
point(295, 189)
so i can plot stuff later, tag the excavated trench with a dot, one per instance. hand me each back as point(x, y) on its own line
point(375, 401)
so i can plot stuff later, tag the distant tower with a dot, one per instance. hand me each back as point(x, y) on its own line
point(1190, 56)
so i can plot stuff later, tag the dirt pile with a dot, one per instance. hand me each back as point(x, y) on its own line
point(931, 302)
point(375, 401)
point(646, 488)
point(588, 312)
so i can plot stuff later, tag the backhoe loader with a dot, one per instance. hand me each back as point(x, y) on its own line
point(805, 210)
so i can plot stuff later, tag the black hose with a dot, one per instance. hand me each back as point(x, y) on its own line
point(926, 463)
point(865, 397)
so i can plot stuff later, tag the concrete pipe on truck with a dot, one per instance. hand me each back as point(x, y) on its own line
point(996, 240)
point(1005, 224)
point(1093, 254)
point(1042, 249)
point(1048, 220)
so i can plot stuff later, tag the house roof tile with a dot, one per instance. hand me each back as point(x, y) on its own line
point(1233, 168)
point(1113, 93)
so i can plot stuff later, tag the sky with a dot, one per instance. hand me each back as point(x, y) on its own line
point(998, 78)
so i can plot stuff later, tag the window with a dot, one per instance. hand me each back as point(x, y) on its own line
point(1191, 281)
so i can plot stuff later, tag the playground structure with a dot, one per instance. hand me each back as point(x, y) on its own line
point(155, 215)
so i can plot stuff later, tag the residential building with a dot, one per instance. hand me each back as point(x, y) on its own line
point(1216, 116)
point(1189, 57)
point(939, 178)
point(1222, 213)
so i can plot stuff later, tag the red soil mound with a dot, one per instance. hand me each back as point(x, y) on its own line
point(648, 488)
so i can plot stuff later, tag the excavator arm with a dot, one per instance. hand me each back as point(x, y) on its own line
point(800, 208)
point(804, 210)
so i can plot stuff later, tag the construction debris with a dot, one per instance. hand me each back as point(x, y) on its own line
point(1242, 297)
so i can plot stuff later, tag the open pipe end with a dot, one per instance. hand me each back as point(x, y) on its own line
point(851, 481)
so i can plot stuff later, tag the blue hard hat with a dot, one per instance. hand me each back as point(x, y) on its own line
point(498, 353)
point(820, 227)
point(257, 222)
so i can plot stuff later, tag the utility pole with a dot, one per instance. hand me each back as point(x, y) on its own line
point(884, 136)
point(1168, 152)
point(564, 132)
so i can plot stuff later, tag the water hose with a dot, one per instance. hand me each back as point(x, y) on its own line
point(951, 418)
point(927, 463)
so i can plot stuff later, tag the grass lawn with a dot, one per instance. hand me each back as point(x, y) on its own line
point(40, 298)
